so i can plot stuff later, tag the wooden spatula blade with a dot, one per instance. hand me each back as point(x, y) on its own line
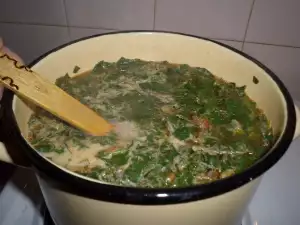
point(38, 90)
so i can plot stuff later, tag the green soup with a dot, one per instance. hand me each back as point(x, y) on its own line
point(186, 126)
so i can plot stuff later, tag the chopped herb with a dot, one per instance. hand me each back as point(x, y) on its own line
point(44, 147)
point(59, 150)
point(182, 133)
point(255, 80)
point(76, 69)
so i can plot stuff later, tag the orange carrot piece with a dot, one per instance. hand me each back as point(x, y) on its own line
point(171, 177)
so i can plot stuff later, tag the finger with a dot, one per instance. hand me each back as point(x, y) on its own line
point(11, 54)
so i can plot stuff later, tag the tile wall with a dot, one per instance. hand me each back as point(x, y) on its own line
point(266, 29)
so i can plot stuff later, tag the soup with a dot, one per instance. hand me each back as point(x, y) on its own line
point(182, 126)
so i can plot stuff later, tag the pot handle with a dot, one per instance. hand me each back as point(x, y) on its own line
point(297, 130)
point(10, 147)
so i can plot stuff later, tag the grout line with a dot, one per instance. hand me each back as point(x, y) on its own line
point(95, 28)
point(270, 44)
point(57, 25)
point(248, 22)
point(220, 39)
point(67, 18)
point(38, 24)
point(154, 21)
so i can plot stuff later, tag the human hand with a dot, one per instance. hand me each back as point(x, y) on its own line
point(11, 54)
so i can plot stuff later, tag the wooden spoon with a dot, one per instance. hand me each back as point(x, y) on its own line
point(38, 90)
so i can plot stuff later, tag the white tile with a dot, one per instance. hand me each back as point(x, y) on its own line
point(33, 11)
point(113, 14)
point(76, 33)
point(235, 44)
point(284, 61)
point(275, 22)
point(30, 41)
point(226, 19)
point(277, 199)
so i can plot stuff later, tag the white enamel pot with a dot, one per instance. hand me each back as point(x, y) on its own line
point(76, 200)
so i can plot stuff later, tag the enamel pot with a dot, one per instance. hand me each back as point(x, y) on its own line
point(76, 200)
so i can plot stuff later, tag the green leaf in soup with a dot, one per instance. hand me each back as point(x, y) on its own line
point(59, 150)
point(157, 87)
point(76, 69)
point(119, 158)
point(134, 171)
point(182, 133)
point(44, 147)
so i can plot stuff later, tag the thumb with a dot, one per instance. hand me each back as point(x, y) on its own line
point(9, 52)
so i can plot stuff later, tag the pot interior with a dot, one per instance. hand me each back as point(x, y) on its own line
point(174, 48)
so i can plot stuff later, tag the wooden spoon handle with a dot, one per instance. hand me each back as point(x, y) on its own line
point(34, 88)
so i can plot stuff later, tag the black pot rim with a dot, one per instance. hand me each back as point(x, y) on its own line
point(141, 196)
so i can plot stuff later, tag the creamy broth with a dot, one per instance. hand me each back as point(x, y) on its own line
point(177, 126)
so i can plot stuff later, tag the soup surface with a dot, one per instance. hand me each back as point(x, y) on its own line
point(181, 126)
